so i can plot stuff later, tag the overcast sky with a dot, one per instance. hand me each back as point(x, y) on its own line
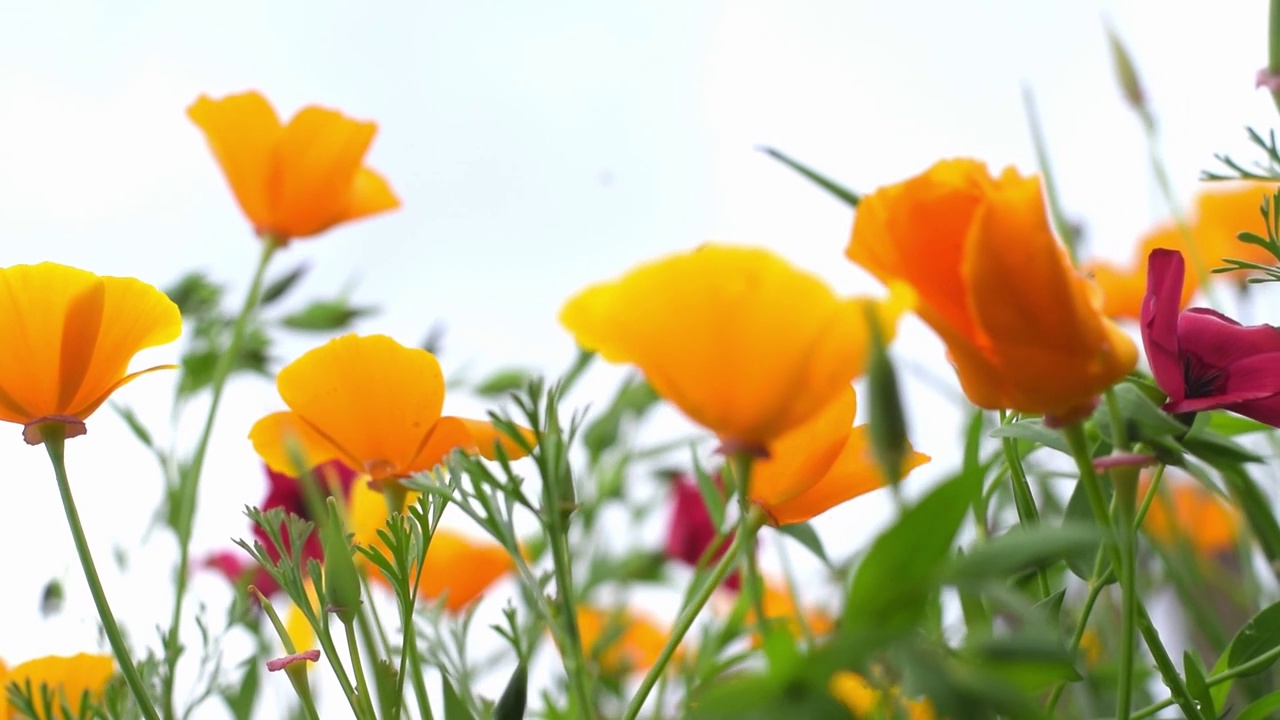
point(538, 147)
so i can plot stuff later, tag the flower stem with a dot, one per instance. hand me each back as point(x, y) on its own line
point(1273, 47)
point(1097, 582)
point(574, 660)
point(55, 444)
point(189, 481)
point(363, 691)
point(1028, 515)
point(743, 541)
point(752, 583)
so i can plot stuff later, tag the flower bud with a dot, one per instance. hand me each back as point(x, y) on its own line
point(341, 579)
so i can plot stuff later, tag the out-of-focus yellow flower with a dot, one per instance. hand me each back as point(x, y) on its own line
point(1091, 647)
point(301, 634)
point(69, 678)
point(1183, 511)
point(621, 641)
point(780, 608)
point(819, 465)
point(374, 405)
point(867, 702)
point(1024, 330)
point(67, 337)
point(294, 180)
point(741, 341)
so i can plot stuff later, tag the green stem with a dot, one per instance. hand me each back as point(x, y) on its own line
point(189, 482)
point(1025, 501)
point(1256, 665)
point(1059, 218)
point(362, 685)
point(1098, 581)
point(752, 582)
point(1273, 47)
point(742, 542)
point(574, 660)
point(1125, 482)
point(55, 444)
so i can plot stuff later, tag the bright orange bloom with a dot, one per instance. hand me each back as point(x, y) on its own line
point(374, 405)
point(780, 607)
point(744, 343)
point(69, 678)
point(1184, 511)
point(67, 337)
point(819, 465)
point(1223, 211)
point(457, 569)
point(866, 701)
point(620, 641)
point(1124, 288)
point(294, 180)
point(1024, 330)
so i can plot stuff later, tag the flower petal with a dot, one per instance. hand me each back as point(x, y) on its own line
point(242, 131)
point(798, 460)
point(370, 194)
point(854, 472)
point(315, 170)
point(460, 570)
point(1220, 341)
point(1165, 272)
point(1223, 211)
point(278, 436)
point(470, 436)
point(370, 396)
point(70, 677)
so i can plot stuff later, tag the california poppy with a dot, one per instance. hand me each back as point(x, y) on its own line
point(621, 641)
point(68, 337)
point(374, 405)
point(780, 608)
point(865, 700)
point(1203, 359)
point(819, 465)
point(1124, 286)
point(1222, 211)
point(1024, 330)
point(741, 341)
point(294, 180)
point(69, 678)
point(1184, 511)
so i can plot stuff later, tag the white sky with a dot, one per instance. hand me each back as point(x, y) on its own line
point(538, 147)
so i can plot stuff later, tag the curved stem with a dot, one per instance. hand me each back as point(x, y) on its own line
point(743, 540)
point(189, 481)
point(55, 444)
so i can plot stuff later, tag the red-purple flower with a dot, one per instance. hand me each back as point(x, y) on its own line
point(691, 531)
point(1203, 359)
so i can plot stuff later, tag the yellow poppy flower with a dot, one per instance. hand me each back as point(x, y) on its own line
point(780, 608)
point(621, 641)
point(70, 678)
point(866, 701)
point(741, 341)
point(374, 405)
point(68, 337)
point(294, 180)
point(1183, 511)
point(1024, 330)
point(819, 465)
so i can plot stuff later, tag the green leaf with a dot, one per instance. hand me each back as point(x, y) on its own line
point(1143, 418)
point(849, 197)
point(1079, 511)
point(891, 587)
point(713, 496)
point(1258, 637)
point(503, 382)
point(1257, 509)
point(808, 537)
point(1231, 424)
point(1193, 669)
point(277, 288)
point(1261, 709)
point(324, 316)
point(1035, 431)
point(454, 707)
point(1022, 549)
point(1032, 662)
point(131, 419)
point(512, 703)
point(195, 295)
point(1217, 449)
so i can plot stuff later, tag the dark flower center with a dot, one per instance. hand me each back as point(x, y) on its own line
point(1200, 378)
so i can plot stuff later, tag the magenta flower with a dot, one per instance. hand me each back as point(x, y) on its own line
point(691, 531)
point(1203, 359)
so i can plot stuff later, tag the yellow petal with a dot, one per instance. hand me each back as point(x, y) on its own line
point(69, 336)
point(855, 472)
point(741, 341)
point(799, 459)
point(301, 634)
point(70, 677)
point(242, 131)
point(470, 436)
point(620, 641)
point(370, 396)
point(316, 164)
point(370, 194)
point(278, 436)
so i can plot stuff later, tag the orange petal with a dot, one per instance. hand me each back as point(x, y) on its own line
point(620, 641)
point(69, 677)
point(315, 171)
point(1223, 211)
point(69, 336)
point(370, 396)
point(741, 341)
point(470, 436)
point(242, 131)
point(278, 436)
point(855, 472)
point(1184, 511)
point(4, 696)
point(460, 570)
point(1123, 289)
point(370, 194)
point(799, 459)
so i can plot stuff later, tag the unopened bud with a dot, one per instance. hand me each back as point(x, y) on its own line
point(341, 579)
point(1127, 74)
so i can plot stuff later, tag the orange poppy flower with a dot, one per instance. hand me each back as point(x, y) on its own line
point(68, 337)
point(1184, 511)
point(1024, 330)
point(621, 641)
point(741, 341)
point(780, 607)
point(1222, 211)
point(68, 677)
point(294, 180)
point(374, 405)
point(866, 701)
point(819, 465)
point(1124, 288)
